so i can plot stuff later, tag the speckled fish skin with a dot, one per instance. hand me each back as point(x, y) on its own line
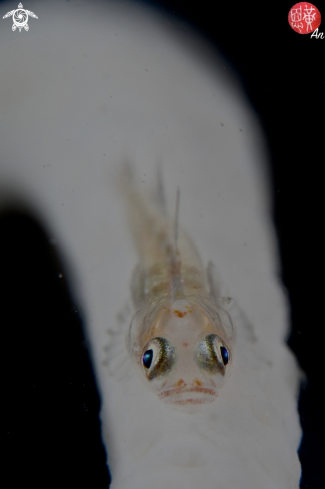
point(181, 337)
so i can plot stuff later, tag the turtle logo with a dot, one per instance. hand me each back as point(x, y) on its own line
point(20, 18)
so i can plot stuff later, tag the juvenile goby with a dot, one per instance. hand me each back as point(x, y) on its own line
point(181, 337)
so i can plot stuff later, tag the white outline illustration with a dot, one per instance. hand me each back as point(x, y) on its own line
point(20, 17)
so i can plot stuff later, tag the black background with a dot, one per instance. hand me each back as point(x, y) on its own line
point(51, 426)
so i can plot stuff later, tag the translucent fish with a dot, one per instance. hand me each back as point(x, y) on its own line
point(181, 336)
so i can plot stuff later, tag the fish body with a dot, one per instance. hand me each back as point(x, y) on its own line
point(181, 336)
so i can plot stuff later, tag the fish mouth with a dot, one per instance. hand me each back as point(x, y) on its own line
point(188, 395)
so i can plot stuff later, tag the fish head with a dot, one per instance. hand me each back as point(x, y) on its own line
point(182, 350)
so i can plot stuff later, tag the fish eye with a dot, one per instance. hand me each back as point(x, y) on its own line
point(158, 358)
point(224, 354)
point(212, 355)
point(147, 358)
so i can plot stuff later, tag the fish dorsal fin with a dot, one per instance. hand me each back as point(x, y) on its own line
point(176, 229)
point(177, 289)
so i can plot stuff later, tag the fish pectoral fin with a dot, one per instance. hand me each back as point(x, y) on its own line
point(218, 292)
point(138, 286)
point(116, 360)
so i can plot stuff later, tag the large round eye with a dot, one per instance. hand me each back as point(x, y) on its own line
point(158, 358)
point(147, 358)
point(224, 354)
point(212, 354)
